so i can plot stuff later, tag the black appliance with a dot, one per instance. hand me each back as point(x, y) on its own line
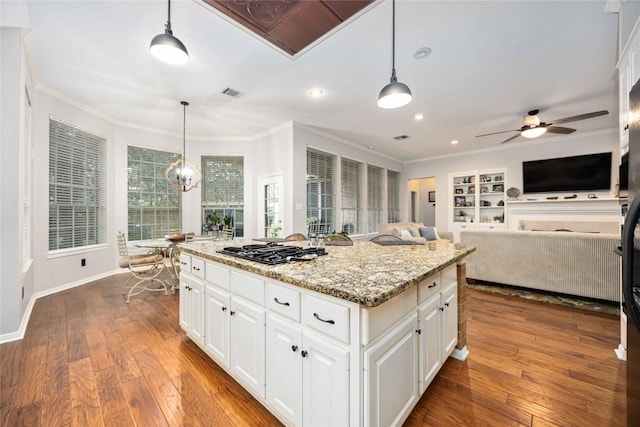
point(273, 254)
point(631, 263)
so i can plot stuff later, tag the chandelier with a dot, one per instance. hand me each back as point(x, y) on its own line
point(182, 174)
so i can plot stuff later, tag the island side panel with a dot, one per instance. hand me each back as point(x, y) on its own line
point(461, 268)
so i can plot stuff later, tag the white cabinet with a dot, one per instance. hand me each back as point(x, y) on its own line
point(247, 341)
point(216, 334)
point(192, 300)
point(449, 299)
point(325, 383)
point(390, 364)
point(307, 375)
point(430, 341)
point(476, 199)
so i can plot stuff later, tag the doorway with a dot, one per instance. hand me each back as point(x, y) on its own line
point(422, 201)
point(270, 204)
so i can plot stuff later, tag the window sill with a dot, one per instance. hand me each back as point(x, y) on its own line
point(61, 253)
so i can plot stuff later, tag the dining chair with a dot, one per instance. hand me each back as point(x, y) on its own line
point(295, 237)
point(226, 234)
point(145, 270)
point(337, 240)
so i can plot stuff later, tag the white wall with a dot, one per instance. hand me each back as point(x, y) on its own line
point(511, 156)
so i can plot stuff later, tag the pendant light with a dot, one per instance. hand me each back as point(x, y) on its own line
point(168, 48)
point(395, 94)
point(182, 174)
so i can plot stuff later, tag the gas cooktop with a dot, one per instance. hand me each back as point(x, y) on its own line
point(273, 254)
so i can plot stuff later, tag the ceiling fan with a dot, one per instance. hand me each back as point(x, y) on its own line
point(534, 128)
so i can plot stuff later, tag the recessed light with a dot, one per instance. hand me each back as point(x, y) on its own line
point(315, 93)
point(422, 53)
point(419, 116)
point(454, 142)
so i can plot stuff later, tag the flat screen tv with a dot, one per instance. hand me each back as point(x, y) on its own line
point(576, 173)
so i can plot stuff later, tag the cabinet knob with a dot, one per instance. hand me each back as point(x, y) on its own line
point(303, 353)
point(441, 308)
point(294, 348)
point(231, 313)
point(626, 126)
point(224, 308)
point(447, 304)
point(418, 331)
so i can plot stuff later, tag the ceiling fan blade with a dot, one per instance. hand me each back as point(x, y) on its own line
point(510, 139)
point(560, 129)
point(580, 117)
point(496, 133)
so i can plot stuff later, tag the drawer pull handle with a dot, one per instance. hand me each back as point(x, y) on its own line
point(281, 303)
point(294, 348)
point(322, 320)
point(196, 268)
point(432, 286)
point(303, 353)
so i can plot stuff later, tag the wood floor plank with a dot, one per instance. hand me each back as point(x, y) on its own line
point(144, 409)
point(85, 405)
point(197, 404)
point(56, 409)
point(113, 405)
point(29, 388)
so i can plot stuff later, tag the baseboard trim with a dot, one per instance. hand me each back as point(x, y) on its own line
point(621, 352)
point(460, 353)
point(19, 334)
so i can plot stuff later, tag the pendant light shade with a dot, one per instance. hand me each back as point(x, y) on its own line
point(395, 94)
point(168, 48)
point(182, 174)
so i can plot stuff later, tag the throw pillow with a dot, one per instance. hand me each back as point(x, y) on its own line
point(405, 233)
point(429, 233)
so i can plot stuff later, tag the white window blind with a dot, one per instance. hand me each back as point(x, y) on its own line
point(320, 190)
point(351, 171)
point(374, 198)
point(26, 173)
point(223, 190)
point(154, 206)
point(393, 196)
point(76, 187)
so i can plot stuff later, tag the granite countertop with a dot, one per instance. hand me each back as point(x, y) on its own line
point(365, 273)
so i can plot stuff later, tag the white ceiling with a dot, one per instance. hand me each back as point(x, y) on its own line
point(491, 63)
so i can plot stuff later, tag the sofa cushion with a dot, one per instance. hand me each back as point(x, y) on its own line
point(429, 233)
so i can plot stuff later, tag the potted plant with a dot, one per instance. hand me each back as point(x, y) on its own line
point(460, 216)
point(213, 219)
point(227, 221)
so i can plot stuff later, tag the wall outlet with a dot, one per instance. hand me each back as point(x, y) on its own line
point(83, 262)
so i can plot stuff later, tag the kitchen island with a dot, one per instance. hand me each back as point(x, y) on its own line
point(353, 337)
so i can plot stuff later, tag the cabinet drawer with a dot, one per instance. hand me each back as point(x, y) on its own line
point(428, 287)
point(327, 317)
point(248, 287)
point(284, 301)
point(217, 275)
point(185, 263)
point(197, 267)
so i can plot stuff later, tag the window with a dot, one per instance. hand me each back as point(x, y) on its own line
point(223, 191)
point(393, 196)
point(76, 187)
point(320, 190)
point(374, 198)
point(26, 173)
point(351, 171)
point(154, 206)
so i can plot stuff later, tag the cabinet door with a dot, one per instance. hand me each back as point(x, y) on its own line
point(325, 379)
point(450, 318)
point(284, 368)
point(196, 305)
point(247, 338)
point(391, 377)
point(430, 355)
point(184, 302)
point(217, 325)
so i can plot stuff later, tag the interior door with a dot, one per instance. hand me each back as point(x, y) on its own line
point(270, 206)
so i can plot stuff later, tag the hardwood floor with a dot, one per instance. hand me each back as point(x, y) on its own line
point(89, 359)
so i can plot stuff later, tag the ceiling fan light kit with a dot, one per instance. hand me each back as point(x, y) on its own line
point(395, 94)
point(533, 132)
point(166, 47)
